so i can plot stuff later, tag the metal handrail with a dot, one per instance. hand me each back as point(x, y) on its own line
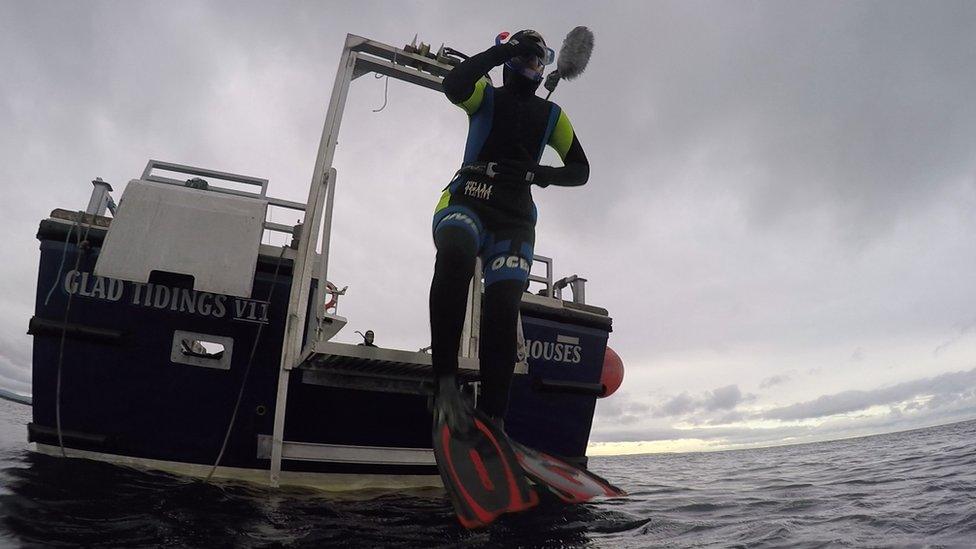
point(547, 280)
point(223, 190)
point(148, 175)
point(204, 172)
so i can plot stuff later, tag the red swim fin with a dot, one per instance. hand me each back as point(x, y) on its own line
point(481, 473)
point(570, 483)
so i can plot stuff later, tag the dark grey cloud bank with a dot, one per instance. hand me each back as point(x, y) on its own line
point(777, 188)
point(722, 398)
point(725, 422)
point(946, 388)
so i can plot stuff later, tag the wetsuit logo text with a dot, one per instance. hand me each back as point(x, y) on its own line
point(510, 262)
point(458, 216)
point(478, 190)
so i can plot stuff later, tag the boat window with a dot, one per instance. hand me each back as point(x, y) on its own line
point(204, 350)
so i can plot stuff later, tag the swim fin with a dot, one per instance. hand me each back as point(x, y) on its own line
point(480, 471)
point(568, 482)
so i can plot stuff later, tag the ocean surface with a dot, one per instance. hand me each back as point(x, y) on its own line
point(910, 489)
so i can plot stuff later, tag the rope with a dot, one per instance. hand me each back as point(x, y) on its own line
point(386, 85)
point(64, 324)
point(247, 370)
point(64, 253)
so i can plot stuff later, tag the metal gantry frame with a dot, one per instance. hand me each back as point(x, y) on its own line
point(359, 56)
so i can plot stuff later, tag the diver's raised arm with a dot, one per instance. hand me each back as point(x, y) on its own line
point(459, 84)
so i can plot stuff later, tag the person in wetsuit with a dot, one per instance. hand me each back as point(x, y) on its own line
point(487, 211)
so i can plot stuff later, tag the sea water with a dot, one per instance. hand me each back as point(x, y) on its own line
point(914, 488)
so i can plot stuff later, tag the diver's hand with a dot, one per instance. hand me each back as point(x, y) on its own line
point(516, 171)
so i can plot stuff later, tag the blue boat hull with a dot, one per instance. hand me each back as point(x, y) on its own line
point(121, 394)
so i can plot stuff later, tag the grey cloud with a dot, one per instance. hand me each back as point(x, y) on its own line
point(954, 400)
point(946, 400)
point(620, 410)
point(772, 381)
point(961, 333)
point(942, 386)
point(722, 398)
point(17, 372)
point(732, 436)
point(819, 127)
point(733, 416)
point(912, 406)
point(737, 435)
point(678, 405)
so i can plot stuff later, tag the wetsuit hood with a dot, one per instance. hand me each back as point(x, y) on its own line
point(518, 84)
point(516, 80)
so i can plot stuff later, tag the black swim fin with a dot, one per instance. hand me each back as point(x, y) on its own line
point(570, 483)
point(480, 471)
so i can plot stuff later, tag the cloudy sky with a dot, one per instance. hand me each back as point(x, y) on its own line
point(780, 216)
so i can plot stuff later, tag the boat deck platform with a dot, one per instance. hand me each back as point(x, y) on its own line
point(376, 368)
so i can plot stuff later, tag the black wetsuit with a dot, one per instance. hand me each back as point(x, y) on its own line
point(477, 215)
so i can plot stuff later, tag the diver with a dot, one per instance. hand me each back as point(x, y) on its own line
point(487, 211)
point(368, 338)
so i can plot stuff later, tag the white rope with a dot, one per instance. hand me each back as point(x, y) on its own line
point(247, 370)
point(57, 278)
point(386, 86)
point(64, 329)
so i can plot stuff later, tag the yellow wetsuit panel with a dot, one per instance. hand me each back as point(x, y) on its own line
point(471, 104)
point(562, 136)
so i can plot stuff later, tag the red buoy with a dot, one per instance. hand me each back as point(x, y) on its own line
point(613, 372)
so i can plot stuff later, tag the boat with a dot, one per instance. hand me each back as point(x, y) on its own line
point(167, 336)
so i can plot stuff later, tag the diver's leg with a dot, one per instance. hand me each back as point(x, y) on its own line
point(508, 260)
point(456, 253)
point(498, 345)
point(457, 236)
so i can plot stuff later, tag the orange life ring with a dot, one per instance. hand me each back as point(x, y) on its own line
point(334, 291)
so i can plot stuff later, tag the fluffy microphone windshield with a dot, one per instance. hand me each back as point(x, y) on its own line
point(575, 53)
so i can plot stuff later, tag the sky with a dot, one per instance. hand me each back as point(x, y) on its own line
point(779, 216)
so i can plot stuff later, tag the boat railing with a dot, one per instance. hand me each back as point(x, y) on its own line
point(101, 198)
point(544, 280)
point(153, 167)
point(575, 283)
